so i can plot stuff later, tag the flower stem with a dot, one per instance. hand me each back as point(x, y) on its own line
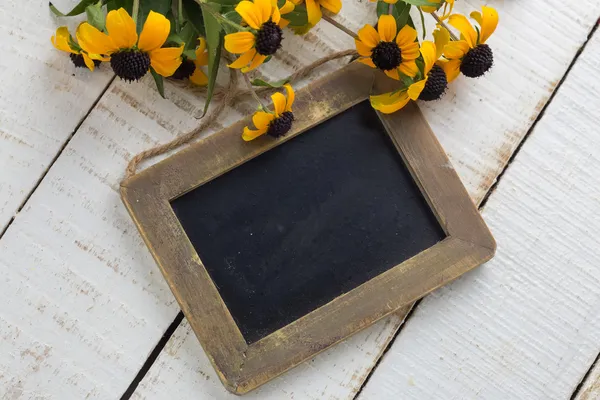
point(219, 17)
point(443, 24)
point(179, 14)
point(340, 26)
point(253, 92)
point(135, 10)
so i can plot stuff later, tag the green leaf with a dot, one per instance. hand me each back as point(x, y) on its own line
point(189, 36)
point(225, 2)
point(159, 6)
point(78, 9)
point(190, 54)
point(116, 4)
point(232, 16)
point(382, 8)
point(298, 17)
point(158, 79)
point(95, 15)
point(277, 84)
point(175, 38)
point(214, 42)
point(421, 3)
point(192, 12)
point(403, 13)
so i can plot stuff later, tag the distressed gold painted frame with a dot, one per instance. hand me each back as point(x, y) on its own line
point(242, 367)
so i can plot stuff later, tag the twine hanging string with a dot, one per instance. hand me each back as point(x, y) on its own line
point(231, 94)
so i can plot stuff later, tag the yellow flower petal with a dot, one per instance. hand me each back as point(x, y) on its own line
point(409, 68)
point(410, 51)
point(416, 88)
point(386, 27)
point(276, 17)
point(369, 36)
point(258, 60)
point(441, 38)
point(332, 5)
point(393, 73)
point(363, 49)
point(428, 52)
point(367, 61)
point(201, 54)
point(199, 77)
point(243, 60)
point(61, 40)
point(313, 10)
point(93, 41)
point(250, 134)
point(489, 22)
point(239, 42)
point(406, 36)
point(455, 50)
point(291, 96)
point(165, 61)
point(249, 13)
point(283, 23)
point(461, 23)
point(121, 28)
point(278, 103)
point(476, 15)
point(263, 9)
point(201, 45)
point(261, 120)
point(388, 103)
point(287, 7)
point(155, 32)
point(451, 68)
point(88, 62)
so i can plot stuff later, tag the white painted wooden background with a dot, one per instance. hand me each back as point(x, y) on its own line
point(82, 304)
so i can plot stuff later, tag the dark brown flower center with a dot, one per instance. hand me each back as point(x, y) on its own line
point(185, 70)
point(477, 61)
point(130, 65)
point(387, 56)
point(77, 60)
point(268, 38)
point(280, 126)
point(436, 84)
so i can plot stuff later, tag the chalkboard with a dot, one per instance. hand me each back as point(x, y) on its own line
point(307, 221)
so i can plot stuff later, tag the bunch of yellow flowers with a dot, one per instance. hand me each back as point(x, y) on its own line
point(184, 39)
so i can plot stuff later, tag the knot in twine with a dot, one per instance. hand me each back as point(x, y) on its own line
point(230, 94)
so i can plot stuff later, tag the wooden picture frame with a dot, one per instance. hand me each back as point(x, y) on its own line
point(242, 367)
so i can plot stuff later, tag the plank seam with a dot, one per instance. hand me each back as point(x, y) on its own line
point(484, 202)
point(152, 357)
point(538, 118)
point(55, 158)
point(585, 377)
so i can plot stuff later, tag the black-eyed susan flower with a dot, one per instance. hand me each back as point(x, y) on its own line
point(434, 82)
point(63, 40)
point(261, 40)
point(470, 55)
point(276, 123)
point(387, 49)
point(131, 56)
point(192, 69)
point(313, 8)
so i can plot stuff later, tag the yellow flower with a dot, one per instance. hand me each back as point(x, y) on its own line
point(199, 77)
point(261, 40)
point(64, 41)
point(448, 6)
point(313, 8)
point(132, 57)
point(274, 124)
point(470, 55)
point(385, 50)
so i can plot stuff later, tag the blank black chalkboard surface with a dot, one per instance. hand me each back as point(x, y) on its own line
point(314, 218)
point(278, 249)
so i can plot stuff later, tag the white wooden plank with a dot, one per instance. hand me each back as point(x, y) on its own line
point(42, 98)
point(83, 303)
point(590, 388)
point(480, 123)
point(525, 325)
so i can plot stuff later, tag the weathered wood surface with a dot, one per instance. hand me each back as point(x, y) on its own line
point(527, 324)
point(83, 302)
point(42, 98)
point(590, 388)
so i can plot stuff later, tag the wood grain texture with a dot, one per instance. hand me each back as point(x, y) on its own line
point(83, 303)
point(43, 97)
point(479, 123)
point(525, 325)
point(590, 389)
